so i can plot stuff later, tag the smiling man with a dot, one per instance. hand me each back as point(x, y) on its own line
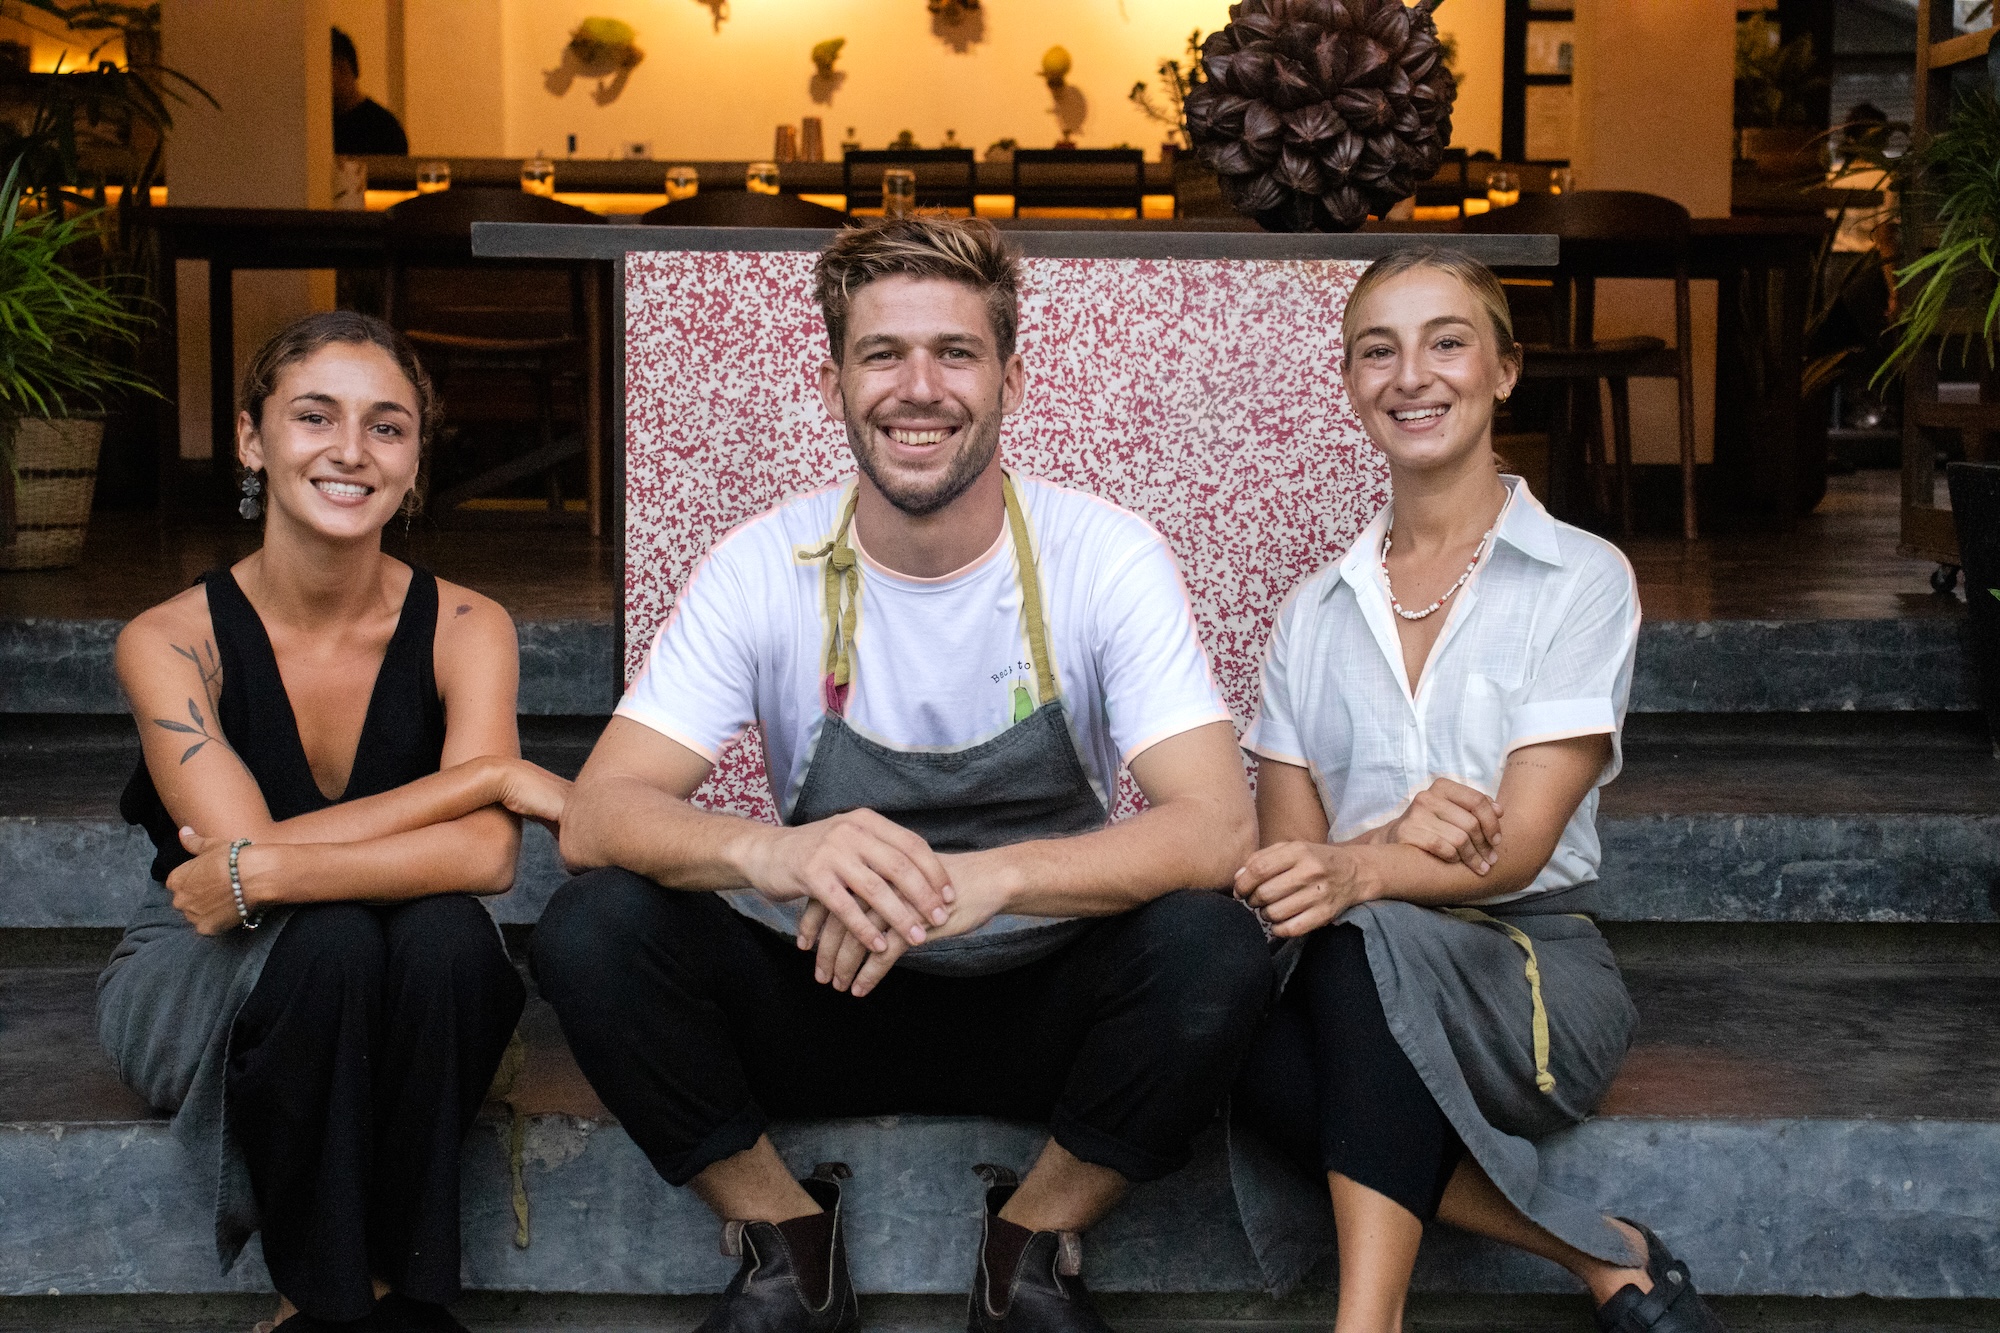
point(948, 663)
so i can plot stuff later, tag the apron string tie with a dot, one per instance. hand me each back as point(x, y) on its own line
point(1544, 1080)
point(842, 590)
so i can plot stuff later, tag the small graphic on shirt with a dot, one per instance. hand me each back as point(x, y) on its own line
point(1024, 703)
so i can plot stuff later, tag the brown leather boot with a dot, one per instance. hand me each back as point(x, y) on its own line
point(1027, 1281)
point(794, 1274)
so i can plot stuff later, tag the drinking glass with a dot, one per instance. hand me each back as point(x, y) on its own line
point(538, 175)
point(1503, 189)
point(899, 190)
point(1561, 181)
point(812, 140)
point(761, 178)
point(433, 176)
point(682, 183)
point(350, 183)
point(785, 143)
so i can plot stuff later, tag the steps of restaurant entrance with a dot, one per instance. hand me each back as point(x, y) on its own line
point(1748, 818)
point(1818, 1120)
point(1802, 881)
point(1922, 663)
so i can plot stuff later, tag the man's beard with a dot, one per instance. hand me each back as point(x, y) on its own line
point(982, 442)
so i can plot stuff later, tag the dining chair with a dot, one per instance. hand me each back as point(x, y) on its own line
point(740, 208)
point(486, 328)
point(1074, 178)
point(946, 177)
point(1605, 234)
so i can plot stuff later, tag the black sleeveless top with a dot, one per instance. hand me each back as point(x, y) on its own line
point(402, 738)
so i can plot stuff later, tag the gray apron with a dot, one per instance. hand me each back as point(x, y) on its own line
point(1517, 1020)
point(1026, 783)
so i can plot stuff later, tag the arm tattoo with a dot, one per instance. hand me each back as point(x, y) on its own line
point(463, 609)
point(209, 668)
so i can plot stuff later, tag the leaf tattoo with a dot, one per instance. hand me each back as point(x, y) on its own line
point(209, 668)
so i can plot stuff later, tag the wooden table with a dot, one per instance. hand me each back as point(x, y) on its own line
point(1770, 456)
point(229, 239)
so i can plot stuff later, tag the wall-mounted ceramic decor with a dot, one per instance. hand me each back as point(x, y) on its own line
point(602, 49)
point(1066, 101)
point(959, 24)
point(826, 80)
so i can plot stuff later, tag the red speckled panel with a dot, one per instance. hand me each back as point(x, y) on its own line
point(1205, 395)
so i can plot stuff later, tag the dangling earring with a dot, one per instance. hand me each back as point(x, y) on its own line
point(249, 506)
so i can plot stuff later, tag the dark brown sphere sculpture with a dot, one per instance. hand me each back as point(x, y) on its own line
point(1316, 113)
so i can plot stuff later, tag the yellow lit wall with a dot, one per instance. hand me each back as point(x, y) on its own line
point(51, 45)
point(270, 145)
point(1480, 27)
point(718, 92)
point(479, 72)
point(1654, 106)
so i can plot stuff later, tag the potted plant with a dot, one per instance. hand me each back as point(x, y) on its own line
point(1776, 85)
point(1196, 191)
point(1950, 301)
point(69, 260)
point(63, 325)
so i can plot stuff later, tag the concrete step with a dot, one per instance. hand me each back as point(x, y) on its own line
point(1129, 1312)
point(1826, 1129)
point(1748, 819)
point(53, 665)
point(1918, 663)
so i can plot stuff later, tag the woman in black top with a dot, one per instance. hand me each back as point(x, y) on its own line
point(331, 774)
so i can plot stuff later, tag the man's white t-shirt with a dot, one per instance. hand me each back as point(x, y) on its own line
point(935, 661)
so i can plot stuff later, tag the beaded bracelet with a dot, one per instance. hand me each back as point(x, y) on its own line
point(236, 887)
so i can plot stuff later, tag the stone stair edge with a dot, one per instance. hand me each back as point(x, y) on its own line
point(1915, 1212)
point(1917, 664)
point(1895, 868)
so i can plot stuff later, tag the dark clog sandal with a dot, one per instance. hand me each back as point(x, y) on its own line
point(1672, 1306)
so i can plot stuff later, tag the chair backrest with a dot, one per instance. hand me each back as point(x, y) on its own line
point(1448, 185)
point(1603, 233)
point(946, 177)
point(1079, 178)
point(449, 214)
point(1599, 229)
point(434, 283)
point(740, 208)
point(1204, 394)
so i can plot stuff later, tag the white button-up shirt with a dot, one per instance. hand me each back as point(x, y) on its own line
point(1537, 646)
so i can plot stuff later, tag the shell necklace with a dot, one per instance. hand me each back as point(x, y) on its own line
point(1388, 538)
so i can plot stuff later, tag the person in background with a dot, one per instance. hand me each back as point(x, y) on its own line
point(331, 779)
point(1439, 709)
point(361, 125)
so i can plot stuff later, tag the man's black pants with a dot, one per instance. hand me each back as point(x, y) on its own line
point(696, 1025)
point(356, 1067)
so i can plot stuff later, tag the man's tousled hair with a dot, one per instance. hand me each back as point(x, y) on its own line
point(921, 245)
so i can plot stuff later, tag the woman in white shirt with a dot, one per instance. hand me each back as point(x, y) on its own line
point(1439, 708)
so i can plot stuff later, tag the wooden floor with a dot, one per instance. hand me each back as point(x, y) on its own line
point(1839, 563)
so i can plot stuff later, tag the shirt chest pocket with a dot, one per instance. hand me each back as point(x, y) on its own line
point(1477, 738)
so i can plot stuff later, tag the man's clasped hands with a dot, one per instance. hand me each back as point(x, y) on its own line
point(876, 889)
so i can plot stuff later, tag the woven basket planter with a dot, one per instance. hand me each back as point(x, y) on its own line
point(56, 466)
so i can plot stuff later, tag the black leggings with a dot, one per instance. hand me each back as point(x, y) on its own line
point(695, 1024)
point(356, 1066)
point(1328, 1085)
